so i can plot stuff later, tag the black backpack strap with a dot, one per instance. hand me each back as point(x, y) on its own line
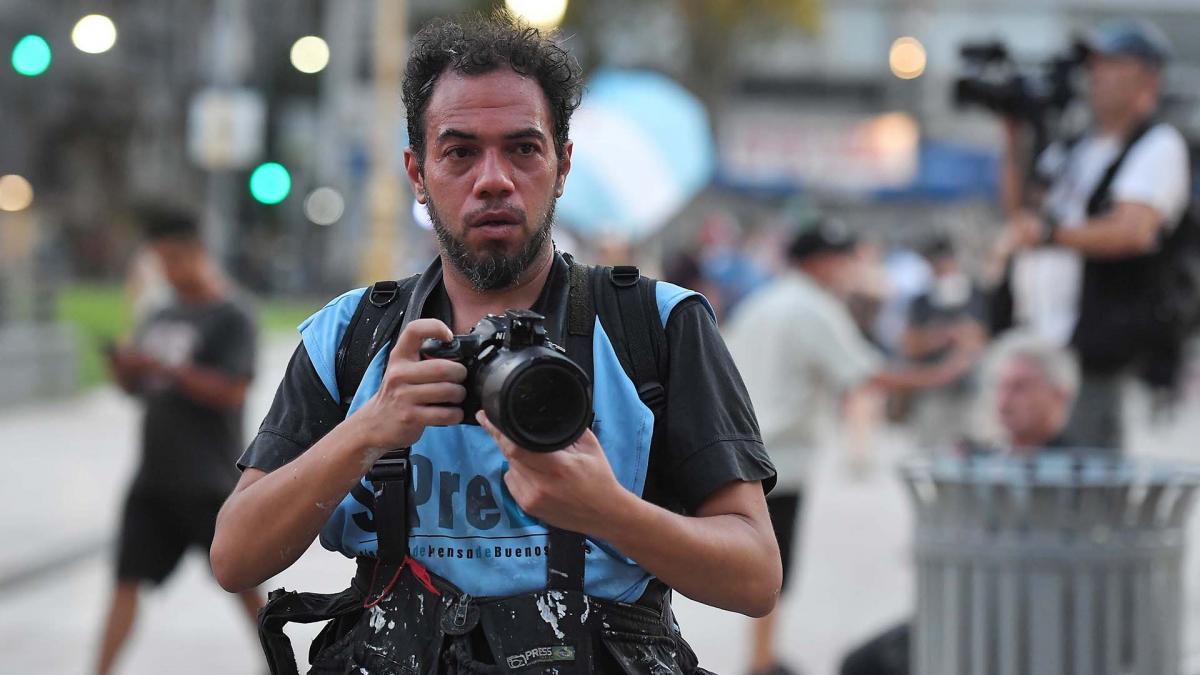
point(628, 309)
point(374, 322)
point(1098, 201)
point(565, 556)
point(377, 319)
point(391, 476)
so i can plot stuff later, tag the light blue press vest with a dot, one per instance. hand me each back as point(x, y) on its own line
point(467, 527)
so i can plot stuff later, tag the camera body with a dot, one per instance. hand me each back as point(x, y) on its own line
point(530, 389)
point(993, 81)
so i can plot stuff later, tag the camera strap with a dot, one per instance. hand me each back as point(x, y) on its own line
point(565, 555)
point(1100, 200)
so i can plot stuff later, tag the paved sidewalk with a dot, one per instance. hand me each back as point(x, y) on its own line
point(67, 464)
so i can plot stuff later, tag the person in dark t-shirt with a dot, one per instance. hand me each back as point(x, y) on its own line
point(488, 102)
point(951, 313)
point(190, 363)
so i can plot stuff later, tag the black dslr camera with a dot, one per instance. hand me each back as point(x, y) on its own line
point(530, 390)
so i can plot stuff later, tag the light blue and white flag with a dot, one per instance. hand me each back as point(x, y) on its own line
point(643, 148)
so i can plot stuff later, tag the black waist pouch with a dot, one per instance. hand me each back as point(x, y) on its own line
point(330, 651)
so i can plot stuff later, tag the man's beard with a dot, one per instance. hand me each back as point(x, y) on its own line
point(491, 270)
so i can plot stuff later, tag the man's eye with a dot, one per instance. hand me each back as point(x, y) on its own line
point(459, 152)
point(526, 149)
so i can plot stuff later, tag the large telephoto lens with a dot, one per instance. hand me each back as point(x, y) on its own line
point(538, 398)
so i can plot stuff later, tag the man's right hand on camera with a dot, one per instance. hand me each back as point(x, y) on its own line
point(272, 517)
point(414, 393)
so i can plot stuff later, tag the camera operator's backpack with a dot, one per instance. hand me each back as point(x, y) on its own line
point(623, 300)
point(1149, 328)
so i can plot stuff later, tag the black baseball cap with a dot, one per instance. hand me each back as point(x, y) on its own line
point(824, 235)
point(1138, 38)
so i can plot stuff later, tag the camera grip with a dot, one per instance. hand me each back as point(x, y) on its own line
point(433, 348)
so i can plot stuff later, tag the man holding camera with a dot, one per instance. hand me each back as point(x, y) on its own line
point(662, 492)
point(1086, 250)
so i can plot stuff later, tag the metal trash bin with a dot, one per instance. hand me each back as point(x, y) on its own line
point(1067, 564)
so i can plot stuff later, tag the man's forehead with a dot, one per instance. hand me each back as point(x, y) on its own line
point(1023, 367)
point(501, 98)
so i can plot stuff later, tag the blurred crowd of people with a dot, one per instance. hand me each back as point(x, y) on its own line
point(1090, 284)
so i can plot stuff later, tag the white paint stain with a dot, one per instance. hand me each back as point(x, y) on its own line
point(421, 609)
point(378, 620)
point(562, 609)
point(550, 613)
point(587, 608)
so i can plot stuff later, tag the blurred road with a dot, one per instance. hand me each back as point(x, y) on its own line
point(67, 463)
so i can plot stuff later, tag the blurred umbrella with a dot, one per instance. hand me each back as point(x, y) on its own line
point(643, 148)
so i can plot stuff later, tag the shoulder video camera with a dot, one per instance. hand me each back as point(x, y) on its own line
point(530, 390)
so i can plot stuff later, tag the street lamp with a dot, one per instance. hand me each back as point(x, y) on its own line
point(310, 54)
point(324, 206)
point(16, 194)
point(544, 14)
point(907, 58)
point(94, 34)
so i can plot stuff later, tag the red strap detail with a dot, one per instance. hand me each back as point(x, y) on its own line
point(421, 574)
point(367, 602)
point(418, 571)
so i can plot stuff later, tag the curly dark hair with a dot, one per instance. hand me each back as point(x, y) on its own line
point(479, 44)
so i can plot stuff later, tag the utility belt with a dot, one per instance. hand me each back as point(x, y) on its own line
point(397, 617)
point(405, 619)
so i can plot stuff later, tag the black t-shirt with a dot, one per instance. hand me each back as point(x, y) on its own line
point(711, 435)
point(186, 445)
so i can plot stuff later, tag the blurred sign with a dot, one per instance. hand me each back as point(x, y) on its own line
point(225, 128)
point(822, 151)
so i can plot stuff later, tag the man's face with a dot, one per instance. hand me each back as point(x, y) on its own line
point(490, 176)
point(1116, 83)
point(1029, 406)
point(181, 261)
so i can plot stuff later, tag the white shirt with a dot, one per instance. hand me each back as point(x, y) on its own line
point(798, 350)
point(1046, 281)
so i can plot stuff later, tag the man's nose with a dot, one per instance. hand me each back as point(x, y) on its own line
point(495, 176)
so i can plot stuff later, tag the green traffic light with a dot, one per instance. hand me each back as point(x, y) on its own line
point(270, 183)
point(31, 55)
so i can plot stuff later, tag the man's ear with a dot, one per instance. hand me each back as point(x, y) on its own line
point(564, 167)
point(416, 177)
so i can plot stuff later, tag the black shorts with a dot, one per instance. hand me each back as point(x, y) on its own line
point(156, 530)
point(784, 508)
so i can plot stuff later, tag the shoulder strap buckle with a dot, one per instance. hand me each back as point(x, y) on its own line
point(383, 293)
point(392, 465)
point(624, 276)
point(654, 396)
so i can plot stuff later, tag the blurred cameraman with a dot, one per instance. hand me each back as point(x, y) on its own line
point(1084, 235)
